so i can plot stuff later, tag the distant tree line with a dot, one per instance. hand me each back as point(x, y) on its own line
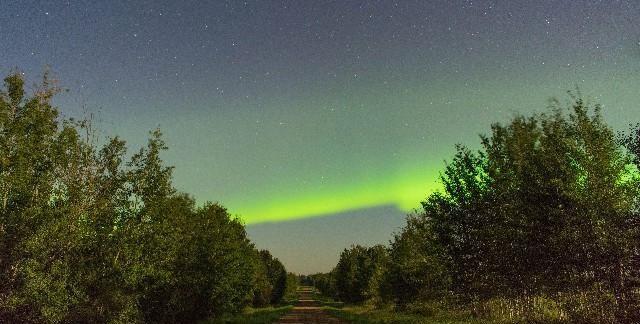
point(89, 236)
point(542, 224)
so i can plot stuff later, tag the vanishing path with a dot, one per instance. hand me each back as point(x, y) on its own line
point(308, 311)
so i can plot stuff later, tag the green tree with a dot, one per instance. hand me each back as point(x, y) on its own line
point(293, 281)
point(631, 268)
point(324, 282)
point(543, 209)
point(272, 278)
point(86, 237)
point(416, 269)
point(32, 151)
point(355, 270)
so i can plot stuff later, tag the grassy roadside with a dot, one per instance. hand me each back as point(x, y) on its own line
point(262, 315)
point(327, 302)
point(371, 315)
point(265, 315)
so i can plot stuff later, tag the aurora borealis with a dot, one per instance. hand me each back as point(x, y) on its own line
point(289, 109)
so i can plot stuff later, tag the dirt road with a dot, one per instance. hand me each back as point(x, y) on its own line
point(308, 311)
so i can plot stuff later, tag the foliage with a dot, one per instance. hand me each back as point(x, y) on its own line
point(324, 282)
point(539, 225)
point(271, 279)
point(365, 314)
point(415, 271)
point(543, 209)
point(291, 287)
point(266, 315)
point(358, 271)
point(86, 236)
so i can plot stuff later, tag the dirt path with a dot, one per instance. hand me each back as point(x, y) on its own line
point(308, 311)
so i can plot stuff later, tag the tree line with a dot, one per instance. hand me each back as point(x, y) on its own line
point(541, 224)
point(88, 235)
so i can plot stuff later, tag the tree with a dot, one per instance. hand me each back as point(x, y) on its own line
point(293, 281)
point(544, 208)
point(631, 268)
point(355, 270)
point(32, 152)
point(417, 269)
point(324, 282)
point(272, 278)
point(86, 237)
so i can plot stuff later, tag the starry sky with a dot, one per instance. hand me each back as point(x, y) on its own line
point(284, 110)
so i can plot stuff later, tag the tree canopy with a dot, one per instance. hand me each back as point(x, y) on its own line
point(87, 235)
point(544, 214)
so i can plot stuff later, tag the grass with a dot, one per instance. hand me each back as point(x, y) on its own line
point(263, 315)
point(327, 301)
point(365, 314)
point(266, 315)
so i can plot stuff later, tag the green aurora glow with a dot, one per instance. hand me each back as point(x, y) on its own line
point(396, 165)
point(403, 191)
point(286, 110)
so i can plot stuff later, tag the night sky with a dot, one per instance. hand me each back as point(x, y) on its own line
point(283, 110)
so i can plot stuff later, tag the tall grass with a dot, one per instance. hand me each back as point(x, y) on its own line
point(266, 315)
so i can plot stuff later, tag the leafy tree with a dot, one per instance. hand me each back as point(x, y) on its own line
point(355, 270)
point(86, 237)
point(324, 282)
point(272, 278)
point(293, 281)
point(29, 141)
point(544, 208)
point(278, 277)
point(416, 268)
point(631, 268)
point(262, 288)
